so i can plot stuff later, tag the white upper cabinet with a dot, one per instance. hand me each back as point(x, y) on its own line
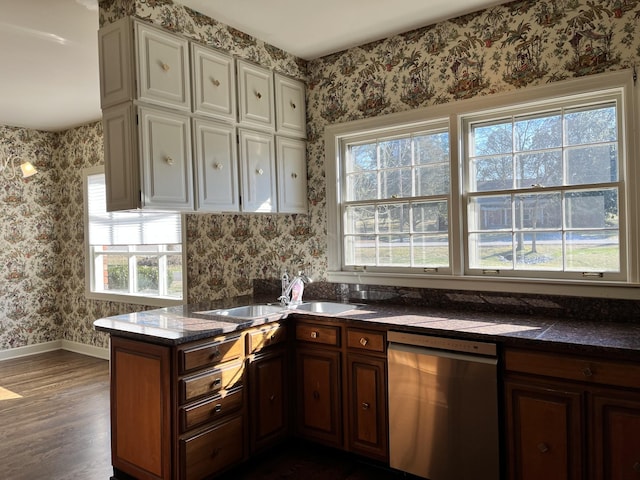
point(115, 47)
point(216, 167)
point(291, 115)
point(258, 171)
point(255, 96)
point(214, 83)
point(167, 173)
point(291, 165)
point(163, 68)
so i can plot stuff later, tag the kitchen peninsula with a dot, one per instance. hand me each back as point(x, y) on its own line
point(194, 394)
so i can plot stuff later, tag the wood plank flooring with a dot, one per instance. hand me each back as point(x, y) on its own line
point(54, 425)
point(58, 427)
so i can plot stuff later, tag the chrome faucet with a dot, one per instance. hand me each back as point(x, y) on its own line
point(292, 293)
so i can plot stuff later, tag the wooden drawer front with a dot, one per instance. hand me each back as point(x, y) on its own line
point(208, 354)
point(212, 450)
point(211, 382)
point(583, 369)
point(366, 340)
point(266, 337)
point(323, 334)
point(210, 410)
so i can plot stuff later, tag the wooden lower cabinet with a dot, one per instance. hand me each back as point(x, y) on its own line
point(545, 431)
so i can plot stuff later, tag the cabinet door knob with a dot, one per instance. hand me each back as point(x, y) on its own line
point(272, 397)
point(215, 82)
point(258, 95)
point(316, 395)
point(586, 371)
point(215, 354)
point(365, 406)
point(165, 66)
point(364, 341)
point(543, 447)
point(636, 467)
point(216, 383)
point(215, 452)
point(293, 105)
point(294, 175)
point(217, 166)
point(169, 160)
point(259, 171)
point(314, 334)
point(217, 408)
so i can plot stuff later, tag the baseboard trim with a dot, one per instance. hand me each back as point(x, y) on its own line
point(76, 347)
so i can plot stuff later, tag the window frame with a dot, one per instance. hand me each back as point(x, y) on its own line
point(132, 298)
point(460, 278)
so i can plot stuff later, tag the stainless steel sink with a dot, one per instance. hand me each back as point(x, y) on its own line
point(246, 311)
point(331, 308)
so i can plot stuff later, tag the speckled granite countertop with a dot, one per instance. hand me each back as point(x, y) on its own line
point(176, 325)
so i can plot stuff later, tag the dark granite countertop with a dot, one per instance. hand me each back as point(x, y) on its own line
point(177, 325)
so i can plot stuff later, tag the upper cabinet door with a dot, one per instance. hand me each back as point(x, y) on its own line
point(291, 115)
point(167, 172)
point(291, 160)
point(214, 83)
point(258, 170)
point(163, 68)
point(255, 95)
point(115, 44)
point(216, 167)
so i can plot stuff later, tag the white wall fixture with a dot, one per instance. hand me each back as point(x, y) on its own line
point(8, 167)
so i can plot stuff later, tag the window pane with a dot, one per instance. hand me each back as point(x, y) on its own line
point(174, 276)
point(538, 251)
point(362, 158)
point(492, 173)
point(115, 273)
point(591, 209)
point(430, 217)
point(593, 251)
point(395, 153)
point(394, 250)
point(360, 219)
point(492, 139)
point(595, 164)
point(591, 126)
point(432, 148)
point(538, 133)
point(147, 268)
point(432, 180)
point(360, 250)
point(491, 251)
point(393, 218)
point(431, 250)
point(395, 183)
point(490, 213)
point(538, 210)
point(362, 186)
point(541, 169)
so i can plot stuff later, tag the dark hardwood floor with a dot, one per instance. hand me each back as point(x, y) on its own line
point(57, 428)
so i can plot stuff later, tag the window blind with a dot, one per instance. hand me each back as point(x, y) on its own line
point(127, 228)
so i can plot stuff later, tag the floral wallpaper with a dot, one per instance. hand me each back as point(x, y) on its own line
point(508, 47)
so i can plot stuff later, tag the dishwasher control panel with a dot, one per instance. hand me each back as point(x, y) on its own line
point(442, 343)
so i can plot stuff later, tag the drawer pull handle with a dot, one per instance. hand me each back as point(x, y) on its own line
point(314, 334)
point(215, 82)
point(364, 341)
point(217, 408)
point(636, 467)
point(216, 383)
point(543, 447)
point(166, 67)
point(316, 395)
point(215, 452)
point(365, 406)
point(258, 95)
point(586, 371)
point(215, 353)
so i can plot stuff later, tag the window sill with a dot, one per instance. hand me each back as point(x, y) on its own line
point(135, 299)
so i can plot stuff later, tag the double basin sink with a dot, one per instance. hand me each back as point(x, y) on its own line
point(264, 310)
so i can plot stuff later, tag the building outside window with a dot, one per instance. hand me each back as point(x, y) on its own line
point(134, 257)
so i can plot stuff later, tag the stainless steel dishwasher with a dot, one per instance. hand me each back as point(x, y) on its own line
point(443, 407)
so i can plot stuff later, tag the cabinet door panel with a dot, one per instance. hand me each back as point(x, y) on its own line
point(115, 42)
point(545, 433)
point(166, 160)
point(214, 83)
point(163, 68)
point(367, 406)
point(258, 170)
point(255, 95)
point(616, 437)
point(292, 175)
point(290, 106)
point(319, 415)
point(217, 167)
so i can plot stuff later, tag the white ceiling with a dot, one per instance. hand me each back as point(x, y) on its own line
point(49, 54)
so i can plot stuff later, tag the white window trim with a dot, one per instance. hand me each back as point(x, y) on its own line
point(119, 297)
point(336, 134)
